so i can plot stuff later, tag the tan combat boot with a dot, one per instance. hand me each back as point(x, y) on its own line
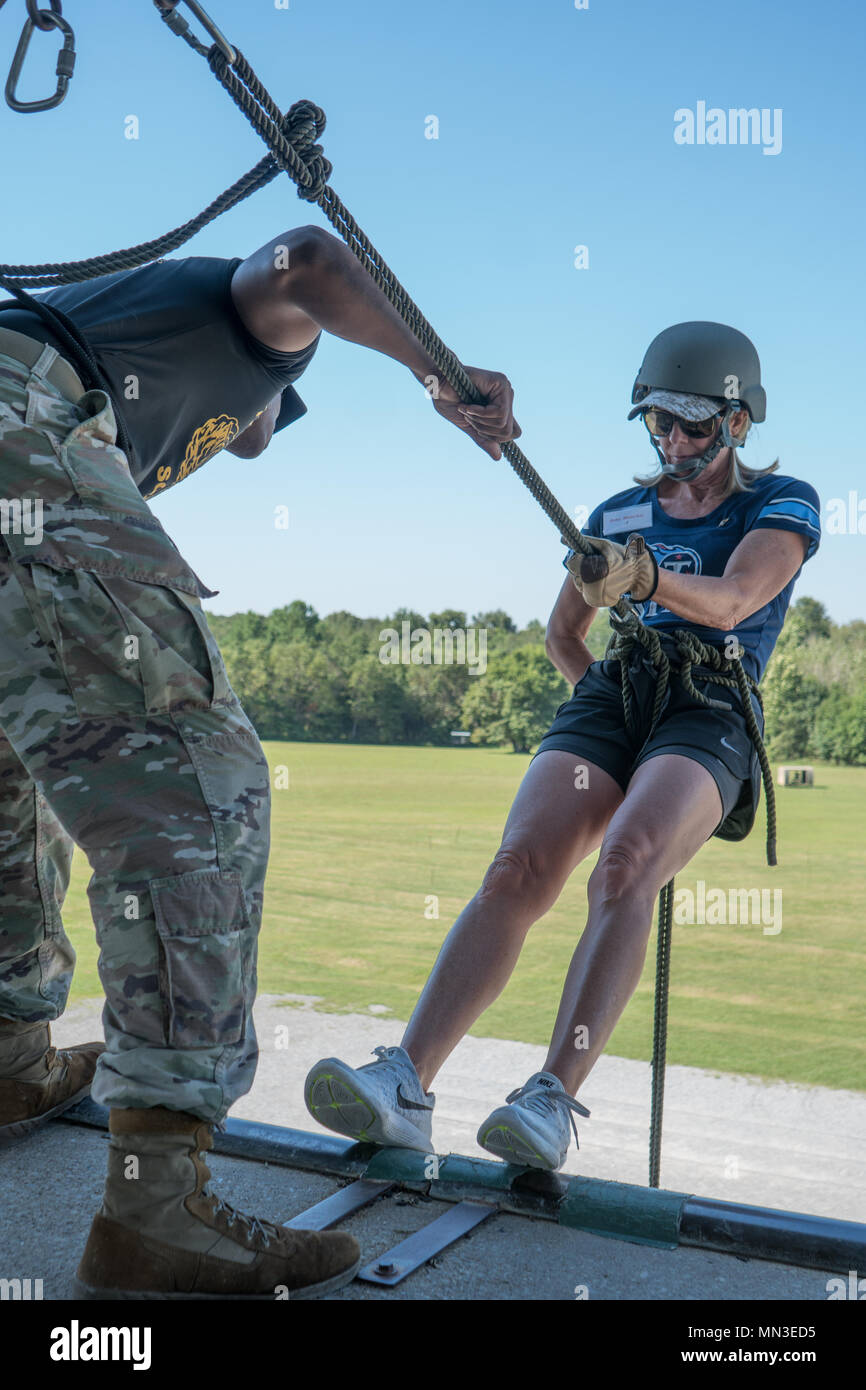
point(162, 1234)
point(36, 1081)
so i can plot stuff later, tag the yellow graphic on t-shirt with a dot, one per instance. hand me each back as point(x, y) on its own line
point(163, 478)
point(207, 440)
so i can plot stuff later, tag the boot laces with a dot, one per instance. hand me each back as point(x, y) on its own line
point(545, 1101)
point(257, 1227)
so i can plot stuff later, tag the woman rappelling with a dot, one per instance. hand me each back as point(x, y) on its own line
point(703, 544)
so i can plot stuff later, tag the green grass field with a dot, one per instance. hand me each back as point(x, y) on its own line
point(363, 835)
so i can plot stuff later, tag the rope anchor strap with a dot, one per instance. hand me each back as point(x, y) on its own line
point(43, 20)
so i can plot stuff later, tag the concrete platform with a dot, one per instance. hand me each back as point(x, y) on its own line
point(790, 1147)
point(51, 1185)
point(797, 1148)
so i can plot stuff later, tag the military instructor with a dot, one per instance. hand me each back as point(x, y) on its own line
point(119, 732)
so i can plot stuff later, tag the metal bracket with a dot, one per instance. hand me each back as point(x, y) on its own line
point(343, 1203)
point(417, 1249)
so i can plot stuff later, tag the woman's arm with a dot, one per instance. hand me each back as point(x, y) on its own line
point(567, 626)
point(760, 567)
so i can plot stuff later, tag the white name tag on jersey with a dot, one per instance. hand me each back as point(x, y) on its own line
point(627, 519)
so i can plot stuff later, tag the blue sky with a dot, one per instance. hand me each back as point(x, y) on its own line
point(556, 129)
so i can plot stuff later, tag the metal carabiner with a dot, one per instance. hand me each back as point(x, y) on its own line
point(65, 64)
point(178, 25)
point(36, 14)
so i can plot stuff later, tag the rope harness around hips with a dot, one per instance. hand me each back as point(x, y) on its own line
point(291, 138)
point(630, 633)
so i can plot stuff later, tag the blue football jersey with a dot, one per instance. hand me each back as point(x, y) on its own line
point(703, 545)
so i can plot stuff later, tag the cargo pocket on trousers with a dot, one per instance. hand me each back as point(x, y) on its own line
point(125, 647)
point(208, 946)
point(80, 625)
point(179, 660)
point(93, 460)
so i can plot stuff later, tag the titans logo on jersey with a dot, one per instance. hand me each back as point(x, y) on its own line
point(704, 545)
point(681, 559)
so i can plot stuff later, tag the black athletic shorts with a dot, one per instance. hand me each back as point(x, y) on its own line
point(591, 725)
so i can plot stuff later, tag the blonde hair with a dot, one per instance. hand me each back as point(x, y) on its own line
point(739, 479)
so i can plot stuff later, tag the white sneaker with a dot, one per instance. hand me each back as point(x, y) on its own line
point(380, 1103)
point(532, 1127)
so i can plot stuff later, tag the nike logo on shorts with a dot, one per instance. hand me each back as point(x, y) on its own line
point(727, 745)
point(410, 1104)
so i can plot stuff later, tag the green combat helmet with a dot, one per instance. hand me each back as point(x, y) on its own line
point(696, 370)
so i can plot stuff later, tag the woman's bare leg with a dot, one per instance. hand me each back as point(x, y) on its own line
point(557, 819)
point(672, 806)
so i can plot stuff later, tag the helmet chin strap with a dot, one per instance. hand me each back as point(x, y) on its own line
point(688, 469)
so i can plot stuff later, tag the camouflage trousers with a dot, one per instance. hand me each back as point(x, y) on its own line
point(120, 733)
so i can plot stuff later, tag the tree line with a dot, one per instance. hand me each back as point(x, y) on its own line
point(414, 679)
point(815, 688)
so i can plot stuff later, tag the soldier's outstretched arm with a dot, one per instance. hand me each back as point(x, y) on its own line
point(306, 280)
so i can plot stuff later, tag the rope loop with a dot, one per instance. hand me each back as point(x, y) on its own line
point(693, 652)
point(291, 137)
point(629, 633)
point(302, 126)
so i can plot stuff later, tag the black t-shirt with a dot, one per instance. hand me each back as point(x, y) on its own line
point(184, 371)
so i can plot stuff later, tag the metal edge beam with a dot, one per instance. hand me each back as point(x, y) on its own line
point(293, 1148)
point(593, 1205)
point(764, 1233)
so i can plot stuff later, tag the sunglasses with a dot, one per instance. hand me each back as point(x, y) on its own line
point(661, 422)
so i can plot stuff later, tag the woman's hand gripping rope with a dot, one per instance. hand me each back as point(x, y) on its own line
point(615, 570)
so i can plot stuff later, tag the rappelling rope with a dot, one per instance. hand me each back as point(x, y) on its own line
point(310, 170)
point(71, 272)
point(292, 140)
point(660, 1030)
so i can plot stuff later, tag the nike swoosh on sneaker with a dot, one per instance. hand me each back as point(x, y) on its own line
point(409, 1104)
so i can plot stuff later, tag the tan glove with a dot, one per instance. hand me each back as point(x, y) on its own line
point(614, 571)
